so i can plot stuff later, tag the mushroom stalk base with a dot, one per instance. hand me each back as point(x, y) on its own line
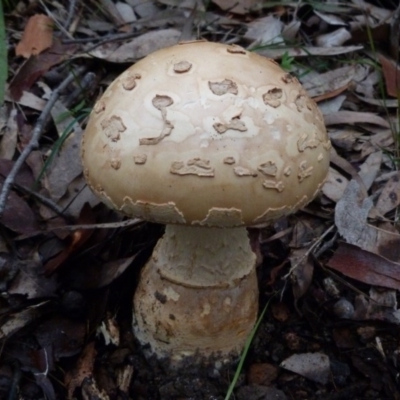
point(198, 294)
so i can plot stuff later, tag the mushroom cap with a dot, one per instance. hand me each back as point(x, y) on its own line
point(205, 134)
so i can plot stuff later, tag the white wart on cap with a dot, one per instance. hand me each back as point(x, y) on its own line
point(205, 134)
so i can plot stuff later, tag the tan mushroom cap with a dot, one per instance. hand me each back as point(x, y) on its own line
point(205, 134)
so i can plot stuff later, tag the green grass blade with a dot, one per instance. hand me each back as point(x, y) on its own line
point(245, 351)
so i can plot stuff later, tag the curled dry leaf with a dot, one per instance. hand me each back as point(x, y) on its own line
point(335, 38)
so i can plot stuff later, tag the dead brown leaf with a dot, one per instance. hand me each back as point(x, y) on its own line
point(63, 335)
point(351, 215)
point(266, 30)
point(391, 73)
point(307, 51)
point(302, 273)
point(18, 216)
point(78, 193)
point(334, 185)
point(24, 176)
point(280, 311)
point(97, 276)
point(37, 36)
point(237, 6)
point(313, 366)
point(262, 374)
point(83, 370)
point(36, 66)
point(334, 80)
point(16, 321)
point(369, 168)
point(330, 19)
point(342, 164)
point(77, 240)
point(389, 198)
point(31, 282)
point(9, 136)
point(332, 94)
point(355, 117)
point(333, 39)
point(365, 266)
point(138, 47)
point(66, 166)
point(27, 99)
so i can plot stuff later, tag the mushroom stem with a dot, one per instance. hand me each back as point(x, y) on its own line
point(198, 294)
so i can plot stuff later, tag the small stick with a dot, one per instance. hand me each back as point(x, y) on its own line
point(105, 225)
point(72, 228)
point(71, 11)
point(34, 142)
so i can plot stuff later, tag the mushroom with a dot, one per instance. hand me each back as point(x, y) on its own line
point(207, 139)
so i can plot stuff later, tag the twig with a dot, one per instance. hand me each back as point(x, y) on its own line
point(34, 142)
point(111, 38)
point(71, 11)
point(86, 82)
point(309, 251)
point(106, 225)
point(112, 11)
point(52, 16)
point(44, 200)
point(72, 228)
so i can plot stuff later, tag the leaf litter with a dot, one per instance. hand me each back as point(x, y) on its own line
point(69, 265)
